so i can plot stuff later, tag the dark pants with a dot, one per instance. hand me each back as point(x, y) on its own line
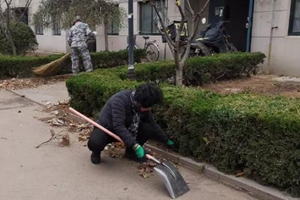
point(99, 139)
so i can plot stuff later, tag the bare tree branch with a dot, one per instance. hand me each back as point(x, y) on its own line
point(28, 2)
point(196, 22)
point(197, 19)
point(167, 37)
point(161, 22)
point(177, 45)
point(164, 31)
point(189, 8)
point(183, 18)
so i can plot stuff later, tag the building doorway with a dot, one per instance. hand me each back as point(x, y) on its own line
point(235, 13)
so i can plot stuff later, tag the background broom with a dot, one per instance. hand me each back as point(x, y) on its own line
point(53, 67)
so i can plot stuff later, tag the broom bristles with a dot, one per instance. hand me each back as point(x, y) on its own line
point(51, 68)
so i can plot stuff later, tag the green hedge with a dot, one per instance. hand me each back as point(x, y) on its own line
point(12, 66)
point(258, 135)
point(89, 92)
point(202, 70)
point(254, 134)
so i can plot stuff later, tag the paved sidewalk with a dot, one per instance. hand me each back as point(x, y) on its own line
point(65, 173)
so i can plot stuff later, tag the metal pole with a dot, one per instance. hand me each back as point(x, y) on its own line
point(130, 40)
point(250, 19)
point(271, 36)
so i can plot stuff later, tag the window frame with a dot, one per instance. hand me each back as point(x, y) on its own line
point(292, 18)
point(39, 29)
point(152, 20)
point(111, 24)
point(110, 27)
point(56, 28)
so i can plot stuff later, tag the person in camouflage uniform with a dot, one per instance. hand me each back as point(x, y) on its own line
point(77, 41)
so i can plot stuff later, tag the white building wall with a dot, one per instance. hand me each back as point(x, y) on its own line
point(58, 43)
point(48, 42)
point(284, 59)
point(118, 42)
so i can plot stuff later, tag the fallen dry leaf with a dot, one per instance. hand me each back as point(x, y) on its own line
point(16, 84)
point(65, 140)
point(56, 122)
point(240, 174)
point(145, 175)
point(55, 112)
point(115, 150)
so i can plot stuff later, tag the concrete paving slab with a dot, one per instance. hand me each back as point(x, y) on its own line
point(287, 79)
point(265, 192)
point(46, 93)
point(9, 101)
point(52, 172)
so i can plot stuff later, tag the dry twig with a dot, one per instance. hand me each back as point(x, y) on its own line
point(65, 139)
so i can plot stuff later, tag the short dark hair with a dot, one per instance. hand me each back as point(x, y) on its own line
point(148, 95)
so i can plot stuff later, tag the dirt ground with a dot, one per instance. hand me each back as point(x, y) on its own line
point(260, 84)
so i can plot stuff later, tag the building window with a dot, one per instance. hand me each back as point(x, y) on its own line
point(148, 17)
point(56, 26)
point(39, 29)
point(21, 13)
point(294, 27)
point(113, 26)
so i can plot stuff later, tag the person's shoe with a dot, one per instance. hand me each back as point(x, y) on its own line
point(95, 158)
point(89, 70)
point(129, 154)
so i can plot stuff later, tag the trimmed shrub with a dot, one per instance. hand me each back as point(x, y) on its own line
point(253, 134)
point(201, 70)
point(23, 37)
point(12, 66)
point(89, 92)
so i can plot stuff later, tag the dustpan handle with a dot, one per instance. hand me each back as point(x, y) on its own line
point(95, 124)
point(107, 131)
point(152, 158)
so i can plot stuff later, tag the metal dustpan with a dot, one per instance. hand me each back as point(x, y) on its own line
point(173, 180)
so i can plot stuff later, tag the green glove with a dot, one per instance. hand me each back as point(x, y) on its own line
point(170, 143)
point(139, 151)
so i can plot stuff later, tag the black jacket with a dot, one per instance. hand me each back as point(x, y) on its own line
point(117, 115)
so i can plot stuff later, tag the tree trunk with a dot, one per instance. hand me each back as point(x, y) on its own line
point(106, 35)
point(179, 74)
point(12, 44)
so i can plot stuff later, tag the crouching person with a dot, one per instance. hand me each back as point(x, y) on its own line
point(128, 115)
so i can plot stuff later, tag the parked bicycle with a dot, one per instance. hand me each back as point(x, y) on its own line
point(152, 50)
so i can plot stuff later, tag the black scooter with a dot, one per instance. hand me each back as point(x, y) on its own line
point(211, 41)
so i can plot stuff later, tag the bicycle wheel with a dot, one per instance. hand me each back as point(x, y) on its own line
point(152, 52)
